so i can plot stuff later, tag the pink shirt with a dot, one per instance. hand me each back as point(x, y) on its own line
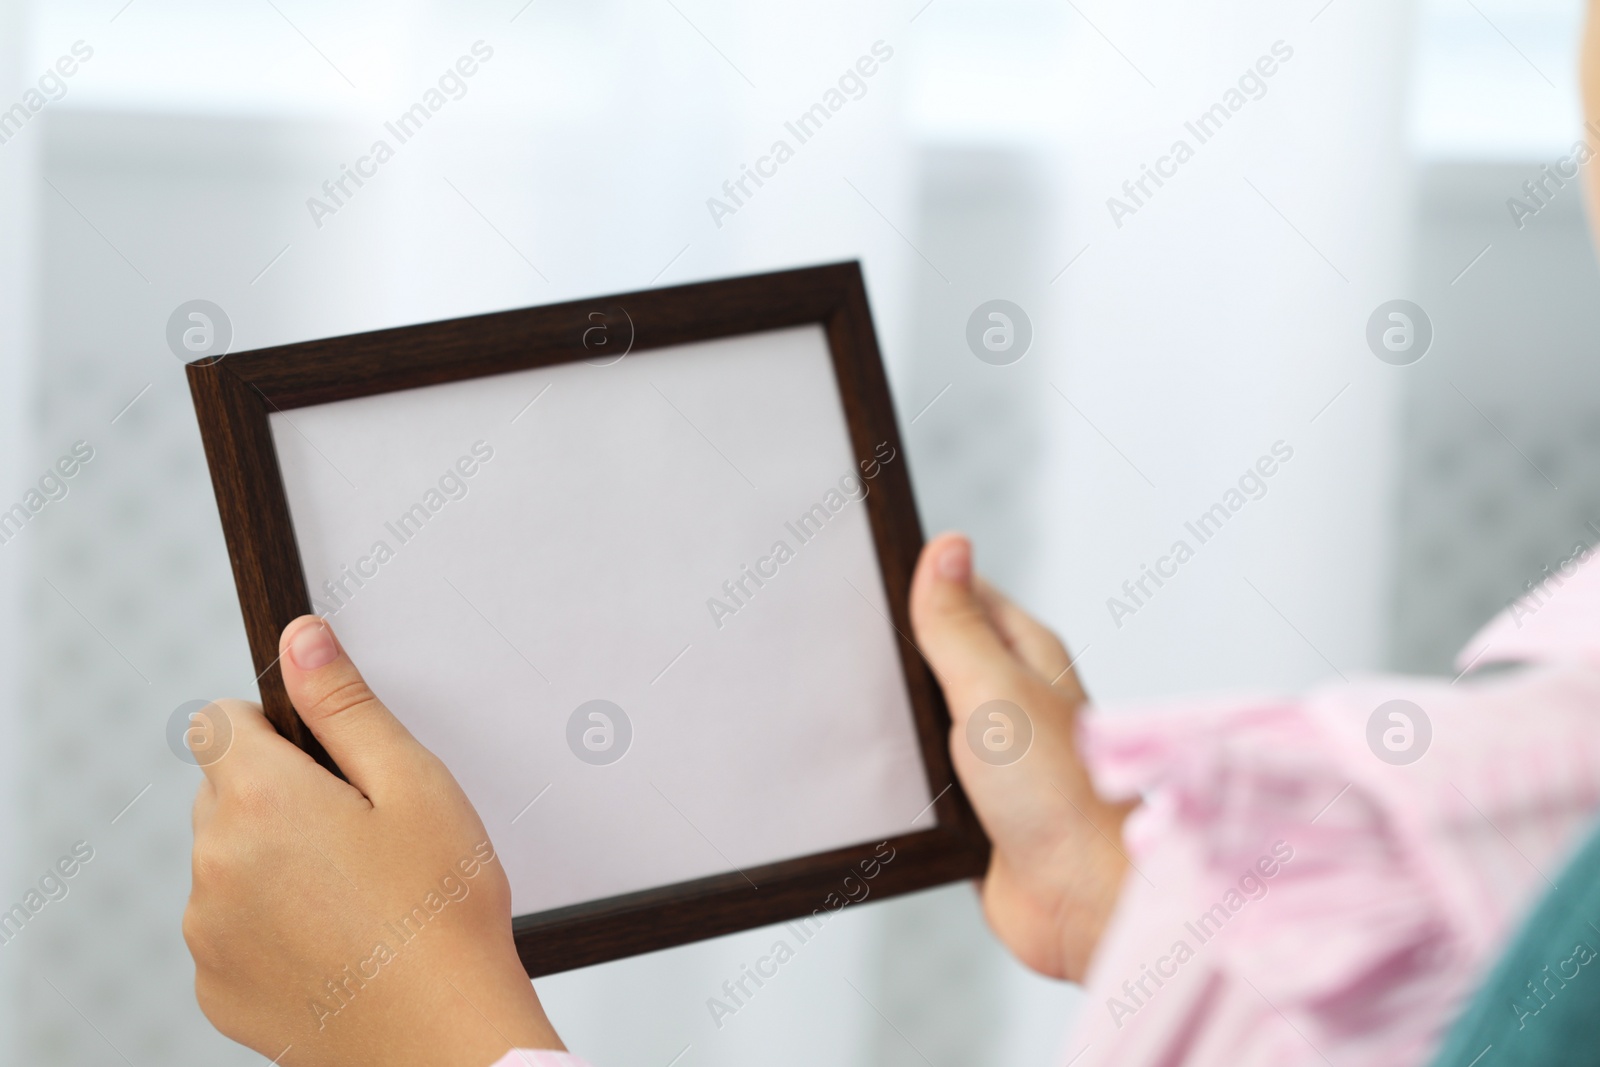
point(1298, 900)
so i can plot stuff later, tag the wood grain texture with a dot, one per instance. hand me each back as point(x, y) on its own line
point(259, 533)
point(235, 397)
point(585, 934)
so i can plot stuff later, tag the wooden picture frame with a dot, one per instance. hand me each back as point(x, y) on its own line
point(236, 396)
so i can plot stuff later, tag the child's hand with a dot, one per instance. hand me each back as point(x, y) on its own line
point(336, 923)
point(1057, 865)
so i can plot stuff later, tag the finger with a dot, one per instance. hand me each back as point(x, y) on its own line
point(954, 631)
point(229, 737)
point(364, 738)
point(1033, 642)
point(1034, 645)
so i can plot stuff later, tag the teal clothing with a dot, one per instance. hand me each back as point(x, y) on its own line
point(1541, 1003)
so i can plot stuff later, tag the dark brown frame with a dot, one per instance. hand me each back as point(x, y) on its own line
point(234, 396)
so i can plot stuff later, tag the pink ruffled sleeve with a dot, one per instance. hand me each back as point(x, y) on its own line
point(1295, 898)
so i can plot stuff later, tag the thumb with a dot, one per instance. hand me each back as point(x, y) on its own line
point(954, 631)
point(364, 738)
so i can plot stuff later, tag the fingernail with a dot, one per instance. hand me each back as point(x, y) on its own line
point(313, 647)
point(955, 561)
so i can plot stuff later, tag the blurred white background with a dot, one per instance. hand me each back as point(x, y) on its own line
point(1226, 314)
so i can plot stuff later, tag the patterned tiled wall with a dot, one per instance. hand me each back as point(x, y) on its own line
point(1501, 459)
